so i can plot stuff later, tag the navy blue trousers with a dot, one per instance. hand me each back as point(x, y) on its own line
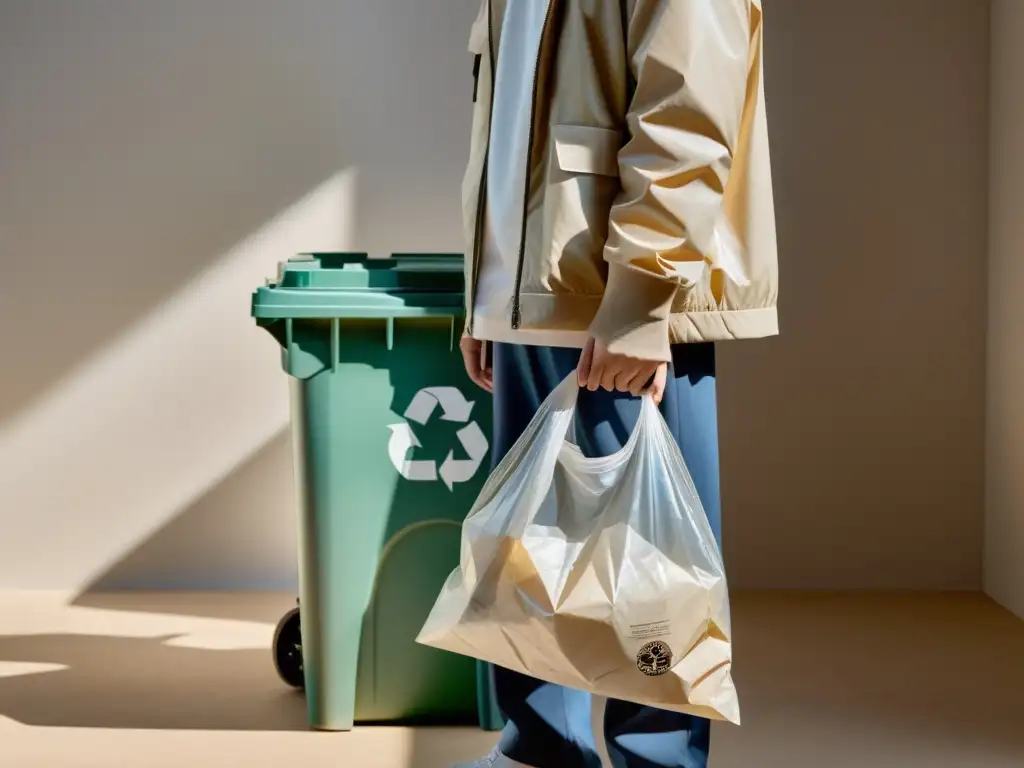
point(549, 726)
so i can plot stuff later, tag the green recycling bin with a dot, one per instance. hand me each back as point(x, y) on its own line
point(391, 449)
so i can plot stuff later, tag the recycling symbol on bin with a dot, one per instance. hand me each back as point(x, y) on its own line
point(454, 408)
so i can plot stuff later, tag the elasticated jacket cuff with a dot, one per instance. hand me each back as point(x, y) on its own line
point(634, 313)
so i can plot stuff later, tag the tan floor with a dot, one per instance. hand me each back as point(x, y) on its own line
point(827, 681)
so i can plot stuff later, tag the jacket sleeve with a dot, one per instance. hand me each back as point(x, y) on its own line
point(690, 61)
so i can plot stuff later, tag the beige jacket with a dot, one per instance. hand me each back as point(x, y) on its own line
point(649, 216)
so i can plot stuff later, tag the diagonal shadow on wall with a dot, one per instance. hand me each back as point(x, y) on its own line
point(252, 508)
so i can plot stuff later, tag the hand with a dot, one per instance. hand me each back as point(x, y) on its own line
point(473, 355)
point(601, 369)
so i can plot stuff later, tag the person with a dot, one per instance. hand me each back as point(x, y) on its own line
point(619, 219)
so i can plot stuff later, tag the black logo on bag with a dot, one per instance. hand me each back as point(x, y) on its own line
point(654, 659)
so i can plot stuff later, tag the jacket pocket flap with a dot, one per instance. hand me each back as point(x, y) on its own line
point(582, 149)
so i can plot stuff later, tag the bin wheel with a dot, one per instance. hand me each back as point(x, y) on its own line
point(288, 650)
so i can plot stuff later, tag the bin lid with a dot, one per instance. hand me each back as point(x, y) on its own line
point(327, 285)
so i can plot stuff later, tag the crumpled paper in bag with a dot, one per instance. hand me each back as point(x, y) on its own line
point(597, 574)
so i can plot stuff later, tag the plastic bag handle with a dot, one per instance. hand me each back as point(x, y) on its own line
point(565, 396)
point(542, 444)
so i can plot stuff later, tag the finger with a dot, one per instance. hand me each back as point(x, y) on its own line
point(609, 373)
point(625, 376)
point(586, 362)
point(643, 379)
point(486, 366)
point(471, 359)
point(476, 378)
point(485, 379)
point(597, 371)
point(657, 388)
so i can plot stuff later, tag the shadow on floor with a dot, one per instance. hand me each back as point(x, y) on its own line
point(264, 607)
point(144, 683)
point(401, 544)
point(827, 681)
point(847, 680)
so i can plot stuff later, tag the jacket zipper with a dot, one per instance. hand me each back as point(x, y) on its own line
point(481, 200)
point(517, 317)
point(476, 75)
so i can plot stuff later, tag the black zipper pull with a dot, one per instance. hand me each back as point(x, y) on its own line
point(476, 74)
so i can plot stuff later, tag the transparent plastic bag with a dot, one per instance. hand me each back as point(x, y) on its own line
point(598, 574)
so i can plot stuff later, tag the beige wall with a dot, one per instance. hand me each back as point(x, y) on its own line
point(1004, 540)
point(852, 445)
point(157, 159)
